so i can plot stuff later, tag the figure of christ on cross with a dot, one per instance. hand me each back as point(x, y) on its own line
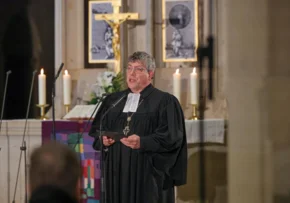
point(115, 19)
point(116, 37)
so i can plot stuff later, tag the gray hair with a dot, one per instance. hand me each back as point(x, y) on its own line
point(145, 58)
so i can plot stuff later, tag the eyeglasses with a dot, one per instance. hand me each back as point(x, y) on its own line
point(135, 69)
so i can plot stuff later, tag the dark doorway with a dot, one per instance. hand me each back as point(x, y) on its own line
point(27, 43)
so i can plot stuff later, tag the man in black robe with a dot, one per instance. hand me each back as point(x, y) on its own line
point(145, 166)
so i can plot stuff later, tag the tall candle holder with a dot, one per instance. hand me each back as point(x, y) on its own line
point(66, 108)
point(194, 112)
point(42, 111)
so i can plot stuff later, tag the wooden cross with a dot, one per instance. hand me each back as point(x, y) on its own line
point(115, 19)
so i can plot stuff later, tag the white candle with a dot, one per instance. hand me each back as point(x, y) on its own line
point(194, 87)
point(176, 84)
point(42, 88)
point(66, 88)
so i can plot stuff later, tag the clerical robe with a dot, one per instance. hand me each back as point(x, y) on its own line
point(148, 174)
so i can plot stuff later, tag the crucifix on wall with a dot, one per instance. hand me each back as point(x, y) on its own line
point(115, 19)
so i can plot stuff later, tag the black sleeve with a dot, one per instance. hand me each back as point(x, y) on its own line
point(170, 131)
point(167, 146)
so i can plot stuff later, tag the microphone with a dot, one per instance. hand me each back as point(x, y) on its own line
point(4, 98)
point(112, 106)
point(23, 145)
point(87, 124)
point(59, 71)
point(102, 166)
point(52, 100)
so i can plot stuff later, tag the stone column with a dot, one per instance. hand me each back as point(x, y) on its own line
point(157, 35)
point(257, 87)
point(278, 97)
point(140, 33)
point(60, 53)
point(75, 34)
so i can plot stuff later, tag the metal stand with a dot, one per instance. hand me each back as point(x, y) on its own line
point(53, 102)
point(66, 108)
point(23, 147)
point(104, 151)
point(53, 110)
point(194, 112)
point(42, 111)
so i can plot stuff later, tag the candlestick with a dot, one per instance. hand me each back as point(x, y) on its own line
point(42, 111)
point(42, 88)
point(176, 84)
point(66, 88)
point(66, 108)
point(194, 112)
point(193, 87)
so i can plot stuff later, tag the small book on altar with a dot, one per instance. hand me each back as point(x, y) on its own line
point(114, 135)
point(81, 112)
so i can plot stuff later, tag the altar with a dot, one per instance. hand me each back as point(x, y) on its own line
point(69, 132)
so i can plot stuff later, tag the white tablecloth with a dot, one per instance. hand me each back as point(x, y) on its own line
point(214, 131)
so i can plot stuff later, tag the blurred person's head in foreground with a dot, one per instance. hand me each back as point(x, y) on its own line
point(54, 174)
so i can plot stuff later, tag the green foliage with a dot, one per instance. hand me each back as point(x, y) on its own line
point(117, 85)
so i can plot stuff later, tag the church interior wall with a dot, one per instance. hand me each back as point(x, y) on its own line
point(257, 88)
point(236, 90)
point(251, 83)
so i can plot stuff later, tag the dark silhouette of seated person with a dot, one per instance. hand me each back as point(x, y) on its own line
point(54, 174)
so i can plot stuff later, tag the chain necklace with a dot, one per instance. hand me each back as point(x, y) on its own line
point(126, 130)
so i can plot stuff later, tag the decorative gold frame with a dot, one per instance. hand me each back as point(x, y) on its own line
point(196, 27)
point(90, 60)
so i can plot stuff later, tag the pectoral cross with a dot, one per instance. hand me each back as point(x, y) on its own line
point(115, 19)
point(127, 128)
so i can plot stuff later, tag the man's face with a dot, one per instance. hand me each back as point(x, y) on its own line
point(137, 76)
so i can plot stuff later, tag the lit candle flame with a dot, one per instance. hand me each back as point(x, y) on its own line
point(66, 72)
point(177, 71)
point(194, 71)
point(42, 71)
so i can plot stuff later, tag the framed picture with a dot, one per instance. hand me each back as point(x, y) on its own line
point(180, 30)
point(98, 34)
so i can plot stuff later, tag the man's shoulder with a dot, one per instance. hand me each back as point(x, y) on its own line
point(116, 95)
point(161, 92)
point(165, 95)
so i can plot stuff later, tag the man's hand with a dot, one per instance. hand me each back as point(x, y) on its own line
point(133, 141)
point(108, 141)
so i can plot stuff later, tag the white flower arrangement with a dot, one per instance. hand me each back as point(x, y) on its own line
point(107, 82)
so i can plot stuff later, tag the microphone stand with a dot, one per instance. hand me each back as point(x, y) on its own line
point(202, 53)
point(87, 124)
point(102, 157)
point(103, 165)
point(4, 97)
point(23, 146)
point(52, 101)
point(2, 114)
